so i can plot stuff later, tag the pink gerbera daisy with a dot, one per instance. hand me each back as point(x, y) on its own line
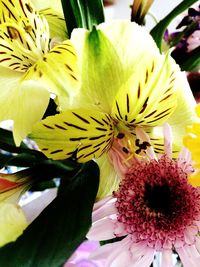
point(155, 209)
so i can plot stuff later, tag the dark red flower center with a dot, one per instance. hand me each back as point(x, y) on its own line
point(159, 198)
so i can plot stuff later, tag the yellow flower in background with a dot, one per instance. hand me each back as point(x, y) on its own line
point(126, 84)
point(192, 142)
point(26, 56)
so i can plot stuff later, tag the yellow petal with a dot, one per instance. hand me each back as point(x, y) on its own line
point(57, 72)
point(194, 179)
point(198, 110)
point(54, 4)
point(80, 133)
point(109, 180)
point(24, 35)
point(16, 10)
point(57, 24)
point(149, 97)
point(192, 142)
point(12, 222)
point(184, 113)
point(107, 60)
point(24, 102)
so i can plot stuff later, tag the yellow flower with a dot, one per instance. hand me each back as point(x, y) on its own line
point(125, 84)
point(192, 142)
point(26, 56)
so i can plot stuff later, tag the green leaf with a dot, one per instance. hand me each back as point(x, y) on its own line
point(8, 145)
point(158, 31)
point(7, 142)
point(191, 60)
point(21, 160)
point(43, 186)
point(82, 13)
point(60, 228)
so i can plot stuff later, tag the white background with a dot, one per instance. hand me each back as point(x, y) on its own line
point(160, 8)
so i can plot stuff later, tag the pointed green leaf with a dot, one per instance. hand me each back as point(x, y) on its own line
point(60, 228)
point(7, 142)
point(158, 31)
point(82, 13)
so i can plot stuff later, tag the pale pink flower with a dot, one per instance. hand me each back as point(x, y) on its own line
point(193, 40)
point(155, 209)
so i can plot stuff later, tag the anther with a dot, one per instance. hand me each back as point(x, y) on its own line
point(125, 150)
point(120, 135)
point(13, 32)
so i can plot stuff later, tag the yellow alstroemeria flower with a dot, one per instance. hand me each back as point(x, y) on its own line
point(192, 142)
point(25, 56)
point(125, 84)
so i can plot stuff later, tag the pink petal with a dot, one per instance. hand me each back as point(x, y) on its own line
point(193, 252)
point(114, 254)
point(120, 230)
point(168, 140)
point(102, 230)
point(189, 235)
point(187, 258)
point(146, 260)
point(103, 252)
point(167, 258)
point(105, 210)
point(102, 202)
point(198, 243)
point(122, 259)
point(137, 250)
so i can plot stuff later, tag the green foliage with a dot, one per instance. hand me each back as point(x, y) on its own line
point(82, 14)
point(191, 61)
point(60, 228)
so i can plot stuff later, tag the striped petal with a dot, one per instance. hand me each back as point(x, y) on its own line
point(79, 133)
point(57, 71)
point(54, 4)
point(57, 24)
point(107, 59)
point(24, 34)
point(149, 97)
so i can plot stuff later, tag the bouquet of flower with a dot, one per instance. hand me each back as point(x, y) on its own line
point(99, 117)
